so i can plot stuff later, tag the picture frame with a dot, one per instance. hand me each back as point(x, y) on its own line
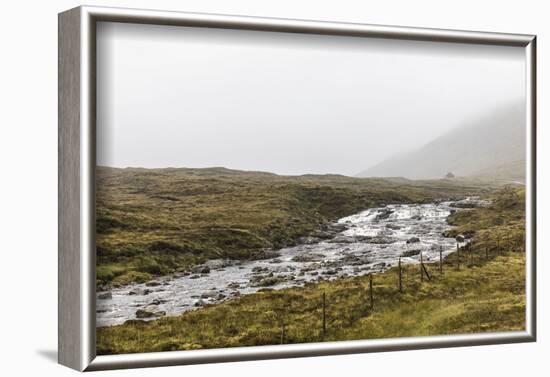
point(77, 186)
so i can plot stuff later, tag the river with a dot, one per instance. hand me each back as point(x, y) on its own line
point(370, 241)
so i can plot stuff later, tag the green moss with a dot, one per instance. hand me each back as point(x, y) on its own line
point(131, 276)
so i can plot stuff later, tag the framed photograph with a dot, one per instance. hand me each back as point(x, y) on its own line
point(240, 188)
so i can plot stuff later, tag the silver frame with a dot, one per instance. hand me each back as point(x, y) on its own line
point(77, 105)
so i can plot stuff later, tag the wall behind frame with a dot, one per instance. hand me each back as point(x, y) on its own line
point(28, 194)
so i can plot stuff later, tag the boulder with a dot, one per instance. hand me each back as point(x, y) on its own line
point(413, 240)
point(338, 227)
point(381, 240)
point(259, 269)
point(105, 296)
point(384, 214)
point(354, 260)
point(393, 226)
point(200, 302)
point(204, 270)
point(460, 238)
point(309, 257)
point(378, 265)
point(360, 238)
point(209, 294)
point(268, 281)
point(150, 311)
point(139, 292)
point(342, 239)
point(410, 253)
point(217, 264)
point(268, 254)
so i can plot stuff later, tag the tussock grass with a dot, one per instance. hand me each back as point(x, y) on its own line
point(487, 295)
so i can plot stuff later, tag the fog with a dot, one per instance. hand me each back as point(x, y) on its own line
point(286, 103)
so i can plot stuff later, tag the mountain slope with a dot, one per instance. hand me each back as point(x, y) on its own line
point(493, 146)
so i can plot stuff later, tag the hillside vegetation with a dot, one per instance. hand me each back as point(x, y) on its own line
point(500, 224)
point(157, 221)
point(483, 290)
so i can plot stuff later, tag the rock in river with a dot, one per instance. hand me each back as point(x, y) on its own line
point(105, 296)
point(393, 226)
point(413, 240)
point(410, 253)
point(267, 281)
point(308, 257)
point(209, 294)
point(150, 311)
point(139, 292)
point(381, 240)
point(200, 303)
point(202, 269)
point(383, 214)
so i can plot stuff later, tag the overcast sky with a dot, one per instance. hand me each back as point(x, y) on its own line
point(286, 103)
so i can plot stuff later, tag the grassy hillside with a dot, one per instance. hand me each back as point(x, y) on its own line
point(502, 223)
point(156, 221)
point(486, 293)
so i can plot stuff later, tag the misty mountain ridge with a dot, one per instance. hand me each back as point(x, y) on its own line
point(493, 147)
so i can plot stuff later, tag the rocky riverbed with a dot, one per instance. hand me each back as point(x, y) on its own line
point(370, 241)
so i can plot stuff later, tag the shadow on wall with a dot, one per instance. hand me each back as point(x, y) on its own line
point(50, 355)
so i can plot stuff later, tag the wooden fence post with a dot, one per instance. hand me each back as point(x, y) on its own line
point(324, 315)
point(423, 269)
point(371, 296)
point(400, 276)
point(440, 259)
point(421, 265)
point(457, 256)
point(283, 332)
point(471, 248)
point(486, 252)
